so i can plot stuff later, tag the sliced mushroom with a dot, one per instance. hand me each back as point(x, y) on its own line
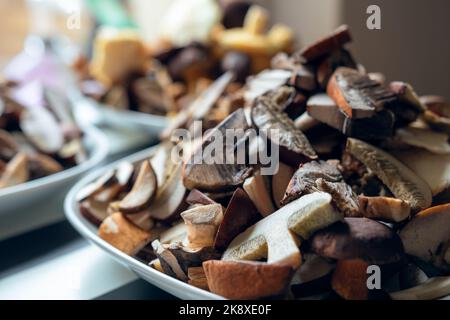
point(42, 129)
point(265, 81)
point(350, 279)
point(344, 198)
point(400, 180)
point(240, 214)
point(41, 165)
point(124, 235)
point(143, 191)
point(197, 278)
point(434, 288)
point(177, 259)
point(196, 197)
point(142, 219)
point(436, 122)
point(216, 177)
point(313, 268)
point(177, 233)
point(294, 146)
point(357, 95)
point(431, 167)
point(257, 189)
point(16, 171)
point(280, 182)
point(247, 280)
point(95, 212)
point(202, 222)
point(384, 208)
point(272, 236)
point(8, 147)
point(432, 141)
point(169, 201)
point(426, 234)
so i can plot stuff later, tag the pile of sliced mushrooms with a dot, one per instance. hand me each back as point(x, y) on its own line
point(36, 140)
point(363, 180)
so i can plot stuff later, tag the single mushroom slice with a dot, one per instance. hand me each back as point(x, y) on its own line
point(436, 104)
point(240, 214)
point(41, 165)
point(400, 180)
point(197, 278)
point(427, 233)
point(142, 219)
point(176, 233)
point(356, 243)
point(257, 189)
point(8, 146)
point(384, 208)
point(170, 199)
point(216, 177)
point(123, 234)
point(280, 129)
point(280, 182)
point(176, 259)
point(196, 197)
point(313, 268)
point(143, 191)
point(274, 238)
point(431, 167)
point(202, 222)
point(16, 171)
point(95, 212)
point(436, 122)
point(435, 142)
point(96, 186)
point(247, 280)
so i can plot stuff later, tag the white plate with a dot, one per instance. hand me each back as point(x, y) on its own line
point(169, 284)
point(42, 189)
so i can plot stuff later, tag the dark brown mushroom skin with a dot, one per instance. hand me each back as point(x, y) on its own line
point(358, 238)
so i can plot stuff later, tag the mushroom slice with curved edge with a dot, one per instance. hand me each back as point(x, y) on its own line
point(42, 129)
point(176, 259)
point(8, 146)
point(16, 171)
point(142, 219)
point(280, 129)
point(41, 165)
point(256, 188)
point(94, 211)
point(196, 197)
point(280, 181)
point(426, 234)
point(124, 235)
point(356, 243)
point(240, 214)
point(432, 141)
point(433, 288)
point(314, 267)
point(169, 200)
point(202, 222)
point(94, 187)
point(143, 190)
point(400, 180)
point(384, 208)
point(176, 233)
point(217, 177)
point(273, 237)
point(247, 280)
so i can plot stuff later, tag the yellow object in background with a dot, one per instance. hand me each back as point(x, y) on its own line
point(117, 54)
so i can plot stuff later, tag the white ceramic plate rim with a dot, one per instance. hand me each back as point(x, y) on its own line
point(89, 232)
point(97, 154)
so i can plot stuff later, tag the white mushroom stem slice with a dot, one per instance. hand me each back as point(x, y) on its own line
point(16, 171)
point(432, 141)
point(273, 237)
point(258, 191)
point(124, 235)
point(433, 168)
point(177, 233)
point(202, 222)
point(280, 181)
point(400, 180)
point(389, 209)
point(434, 288)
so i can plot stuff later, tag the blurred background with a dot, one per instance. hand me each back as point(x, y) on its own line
point(412, 45)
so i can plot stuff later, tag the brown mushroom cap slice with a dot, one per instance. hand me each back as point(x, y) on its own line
point(240, 214)
point(41, 165)
point(400, 180)
point(257, 188)
point(350, 279)
point(143, 191)
point(169, 200)
point(280, 182)
point(384, 208)
point(95, 212)
point(426, 234)
point(216, 177)
point(202, 222)
point(16, 171)
point(142, 219)
point(94, 187)
point(124, 235)
point(176, 233)
point(273, 236)
point(358, 238)
point(247, 280)
point(294, 145)
point(196, 197)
